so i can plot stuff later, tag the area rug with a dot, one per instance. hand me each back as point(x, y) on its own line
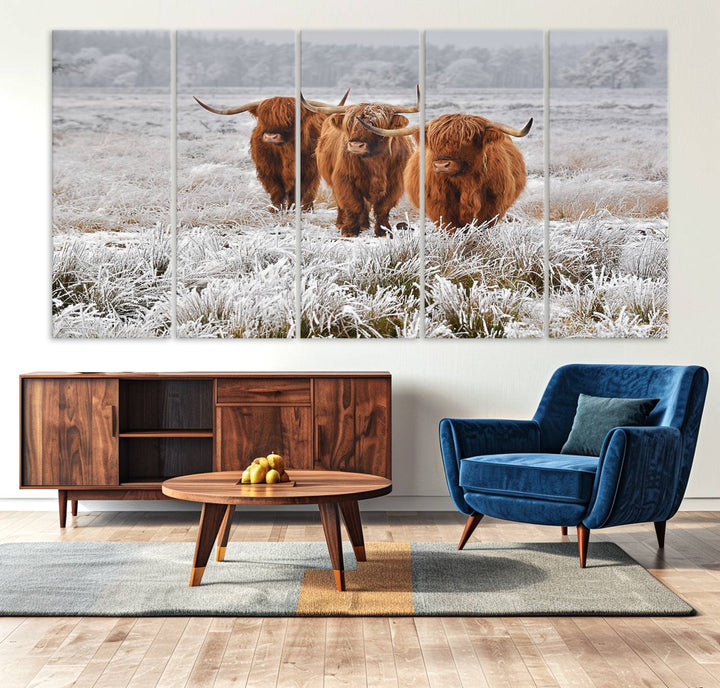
point(294, 578)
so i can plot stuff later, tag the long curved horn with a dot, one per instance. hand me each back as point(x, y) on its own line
point(323, 109)
point(229, 111)
point(320, 103)
point(414, 108)
point(405, 131)
point(509, 130)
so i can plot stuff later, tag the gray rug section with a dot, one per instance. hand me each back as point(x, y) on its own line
point(264, 579)
point(152, 579)
point(536, 579)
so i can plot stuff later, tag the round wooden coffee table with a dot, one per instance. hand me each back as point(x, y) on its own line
point(334, 492)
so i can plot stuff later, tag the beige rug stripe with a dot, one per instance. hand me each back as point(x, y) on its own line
point(382, 585)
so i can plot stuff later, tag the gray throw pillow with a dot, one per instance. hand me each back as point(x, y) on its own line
point(596, 416)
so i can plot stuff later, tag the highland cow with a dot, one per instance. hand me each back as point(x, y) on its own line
point(272, 147)
point(364, 171)
point(473, 170)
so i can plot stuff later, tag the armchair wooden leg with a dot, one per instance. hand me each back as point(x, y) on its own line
point(73, 507)
point(563, 530)
point(660, 532)
point(583, 535)
point(470, 525)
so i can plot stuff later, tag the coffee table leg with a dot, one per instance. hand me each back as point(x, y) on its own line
point(210, 519)
point(353, 524)
point(330, 517)
point(224, 534)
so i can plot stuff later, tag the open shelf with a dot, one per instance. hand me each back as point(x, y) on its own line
point(173, 405)
point(154, 459)
point(165, 429)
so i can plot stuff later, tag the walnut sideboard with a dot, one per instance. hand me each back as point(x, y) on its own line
point(119, 435)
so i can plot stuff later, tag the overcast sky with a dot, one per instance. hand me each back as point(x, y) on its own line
point(375, 38)
point(484, 39)
point(580, 37)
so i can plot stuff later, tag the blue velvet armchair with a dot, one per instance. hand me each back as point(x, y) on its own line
point(514, 470)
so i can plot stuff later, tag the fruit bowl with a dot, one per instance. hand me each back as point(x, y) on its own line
point(268, 471)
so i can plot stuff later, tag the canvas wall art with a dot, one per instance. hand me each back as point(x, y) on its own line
point(236, 184)
point(421, 209)
point(111, 235)
point(484, 234)
point(608, 262)
point(360, 235)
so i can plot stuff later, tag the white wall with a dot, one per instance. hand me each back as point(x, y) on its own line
point(431, 379)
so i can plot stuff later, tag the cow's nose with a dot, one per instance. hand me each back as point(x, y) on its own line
point(357, 147)
point(272, 138)
point(442, 165)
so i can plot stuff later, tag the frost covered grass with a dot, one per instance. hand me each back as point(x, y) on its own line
point(363, 287)
point(485, 281)
point(608, 278)
point(111, 273)
point(111, 284)
point(608, 266)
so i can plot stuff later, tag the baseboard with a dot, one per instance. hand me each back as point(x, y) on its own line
point(389, 503)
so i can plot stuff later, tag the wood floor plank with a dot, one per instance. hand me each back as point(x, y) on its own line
point(158, 655)
point(409, 664)
point(530, 653)
point(268, 653)
point(209, 658)
point(496, 652)
point(182, 660)
point(235, 665)
point(467, 665)
point(437, 656)
point(303, 656)
point(560, 659)
point(379, 659)
point(98, 662)
point(659, 651)
point(344, 653)
point(130, 654)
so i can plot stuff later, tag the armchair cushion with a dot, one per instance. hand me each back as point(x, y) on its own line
point(596, 416)
point(551, 477)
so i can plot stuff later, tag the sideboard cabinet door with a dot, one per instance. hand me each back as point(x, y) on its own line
point(69, 429)
point(352, 425)
point(246, 432)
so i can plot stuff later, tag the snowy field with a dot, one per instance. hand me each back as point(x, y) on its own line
point(237, 261)
point(111, 272)
point(608, 213)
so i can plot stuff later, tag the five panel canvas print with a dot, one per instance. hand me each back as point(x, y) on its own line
point(422, 206)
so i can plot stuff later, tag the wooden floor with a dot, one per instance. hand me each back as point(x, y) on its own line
point(373, 652)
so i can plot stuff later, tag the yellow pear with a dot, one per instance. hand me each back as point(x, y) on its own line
point(272, 476)
point(276, 462)
point(262, 461)
point(245, 476)
point(257, 473)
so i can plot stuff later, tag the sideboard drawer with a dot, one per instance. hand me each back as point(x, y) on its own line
point(264, 390)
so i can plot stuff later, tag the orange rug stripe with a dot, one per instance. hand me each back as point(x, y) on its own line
point(381, 586)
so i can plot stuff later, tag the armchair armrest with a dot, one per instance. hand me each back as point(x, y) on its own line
point(637, 478)
point(461, 438)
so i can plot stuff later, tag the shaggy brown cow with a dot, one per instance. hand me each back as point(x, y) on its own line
point(363, 170)
point(272, 147)
point(473, 170)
